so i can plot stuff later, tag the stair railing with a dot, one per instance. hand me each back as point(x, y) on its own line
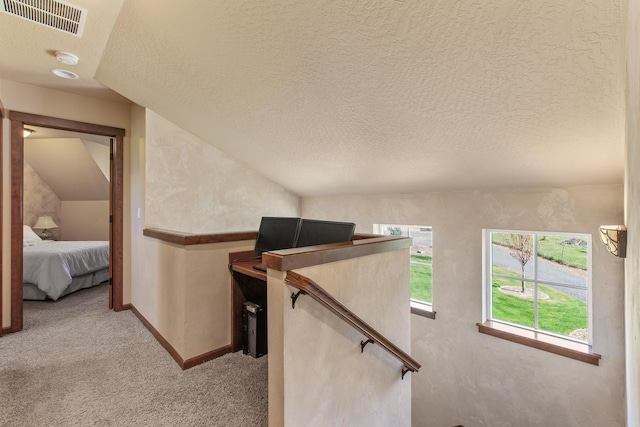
point(307, 286)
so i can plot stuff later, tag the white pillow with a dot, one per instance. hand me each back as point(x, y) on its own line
point(29, 237)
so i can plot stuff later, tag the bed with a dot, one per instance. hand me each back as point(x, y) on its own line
point(52, 269)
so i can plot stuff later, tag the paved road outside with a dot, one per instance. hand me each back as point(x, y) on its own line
point(547, 270)
point(421, 237)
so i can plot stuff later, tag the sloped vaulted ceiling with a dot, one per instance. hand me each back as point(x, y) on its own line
point(68, 168)
point(382, 95)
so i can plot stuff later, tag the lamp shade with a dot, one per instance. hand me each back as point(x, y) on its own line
point(45, 222)
point(614, 237)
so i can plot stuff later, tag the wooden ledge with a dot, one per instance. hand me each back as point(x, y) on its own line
point(187, 239)
point(421, 309)
point(182, 238)
point(541, 341)
point(290, 259)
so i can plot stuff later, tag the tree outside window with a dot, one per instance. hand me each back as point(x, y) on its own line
point(521, 248)
point(539, 281)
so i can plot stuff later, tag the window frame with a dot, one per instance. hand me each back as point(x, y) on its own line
point(418, 307)
point(532, 336)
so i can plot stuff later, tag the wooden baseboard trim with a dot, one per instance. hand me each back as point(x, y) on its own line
point(213, 354)
point(163, 342)
point(126, 307)
point(6, 330)
point(184, 364)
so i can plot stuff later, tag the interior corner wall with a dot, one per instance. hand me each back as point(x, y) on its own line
point(474, 379)
point(632, 216)
point(134, 202)
point(48, 102)
point(39, 200)
point(181, 183)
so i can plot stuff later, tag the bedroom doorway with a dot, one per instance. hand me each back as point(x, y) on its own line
point(18, 122)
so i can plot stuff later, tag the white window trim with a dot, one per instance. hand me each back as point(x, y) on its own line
point(422, 308)
point(418, 307)
point(488, 280)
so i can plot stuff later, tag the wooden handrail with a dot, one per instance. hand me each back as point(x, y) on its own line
point(292, 259)
point(309, 287)
point(187, 239)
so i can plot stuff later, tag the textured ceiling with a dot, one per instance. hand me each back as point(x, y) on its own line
point(366, 96)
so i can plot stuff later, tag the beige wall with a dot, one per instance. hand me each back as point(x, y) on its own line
point(185, 293)
point(76, 220)
point(48, 102)
point(84, 220)
point(180, 183)
point(477, 380)
point(632, 264)
point(318, 375)
point(194, 187)
point(134, 194)
point(38, 200)
point(101, 154)
point(36, 100)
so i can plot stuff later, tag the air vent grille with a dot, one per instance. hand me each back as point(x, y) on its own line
point(51, 13)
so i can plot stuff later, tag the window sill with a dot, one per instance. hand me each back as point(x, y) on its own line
point(421, 309)
point(541, 341)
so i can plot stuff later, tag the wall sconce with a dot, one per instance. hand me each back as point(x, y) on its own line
point(614, 237)
point(45, 223)
point(26, 132)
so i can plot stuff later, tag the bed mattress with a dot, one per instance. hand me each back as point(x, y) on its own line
point(52, 265)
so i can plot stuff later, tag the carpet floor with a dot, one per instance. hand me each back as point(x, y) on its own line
point(77, 363)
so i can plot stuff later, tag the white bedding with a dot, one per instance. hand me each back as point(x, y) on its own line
point(51, 265)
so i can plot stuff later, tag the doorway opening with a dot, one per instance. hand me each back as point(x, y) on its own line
point(18, 122)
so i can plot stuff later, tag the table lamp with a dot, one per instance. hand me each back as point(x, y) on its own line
point(45, 223)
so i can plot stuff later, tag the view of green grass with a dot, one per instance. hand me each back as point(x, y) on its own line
point(506, 272)
point(421, 278)
point(553, 249)
point(559, 314)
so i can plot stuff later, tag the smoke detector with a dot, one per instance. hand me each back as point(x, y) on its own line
point(67, 58)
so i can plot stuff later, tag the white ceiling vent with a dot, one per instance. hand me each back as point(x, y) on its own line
point(50, 13)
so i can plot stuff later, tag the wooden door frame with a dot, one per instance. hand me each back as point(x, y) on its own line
point(2, 114)
point(18, 120)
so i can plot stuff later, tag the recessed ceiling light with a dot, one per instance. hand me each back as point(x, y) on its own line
point(67, 58)
point(64, 73)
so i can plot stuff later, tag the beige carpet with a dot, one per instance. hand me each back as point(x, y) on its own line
point(76, 363)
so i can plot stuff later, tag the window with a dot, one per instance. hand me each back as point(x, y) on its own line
point(421, 258)
point(539, 281)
